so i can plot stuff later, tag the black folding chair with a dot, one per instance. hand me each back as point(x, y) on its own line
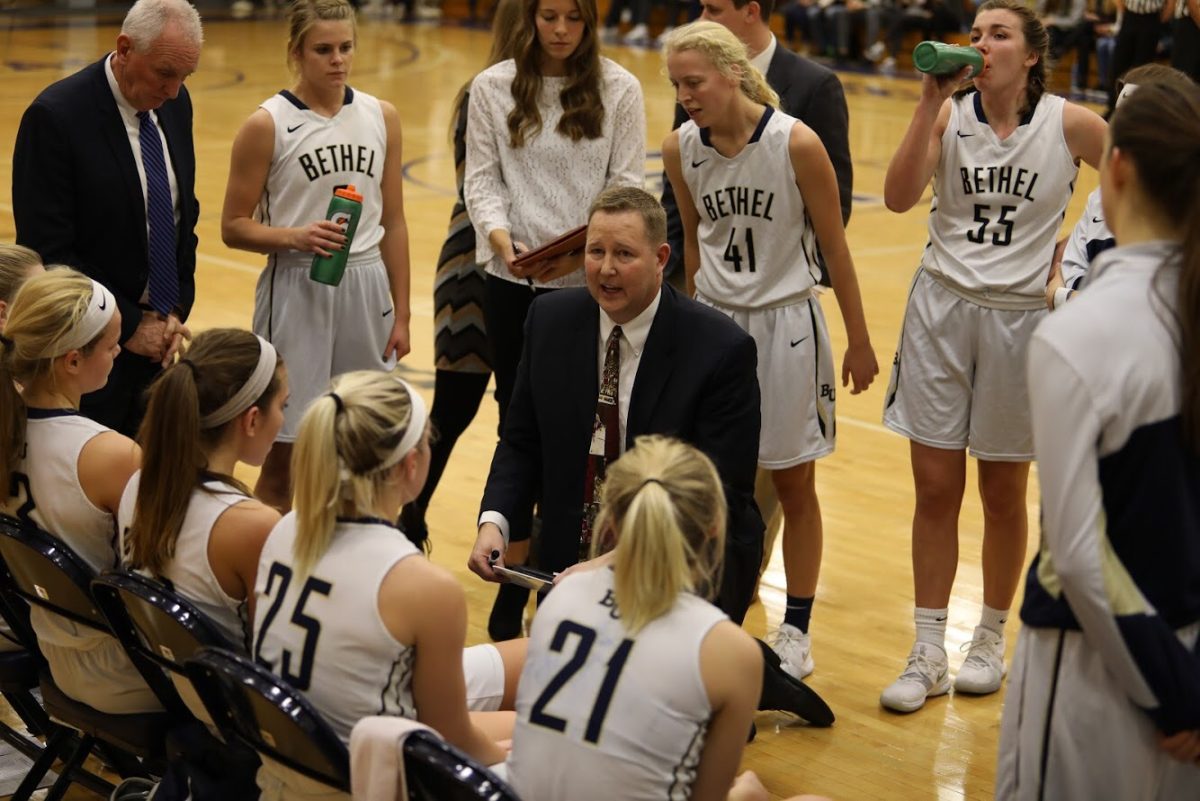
point(45, 572)
point(250, 703)
point(434, 770)
point(158, 626)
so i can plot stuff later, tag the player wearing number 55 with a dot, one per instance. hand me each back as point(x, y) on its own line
point(757, 194)
point(1003, 156)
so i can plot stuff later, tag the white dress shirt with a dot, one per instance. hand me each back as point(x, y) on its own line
point(132, 129)
point(763, 59)
point(633, 341)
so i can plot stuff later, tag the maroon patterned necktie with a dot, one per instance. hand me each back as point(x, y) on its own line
point(606, 440)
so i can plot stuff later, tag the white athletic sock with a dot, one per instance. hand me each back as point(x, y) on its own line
point(931, 626)
point(994, 619)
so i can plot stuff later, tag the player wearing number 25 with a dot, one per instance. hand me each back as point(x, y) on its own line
point(1003, 157)
point(757, 194)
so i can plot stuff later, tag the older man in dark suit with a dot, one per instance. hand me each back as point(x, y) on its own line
point(669, 366)
point(104, 181)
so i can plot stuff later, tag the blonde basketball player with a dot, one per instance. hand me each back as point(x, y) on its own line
point(347, 609)
point(288, 158)
point(635, 686)
point(64, 472)
point(757, 194)
point(1003, 155)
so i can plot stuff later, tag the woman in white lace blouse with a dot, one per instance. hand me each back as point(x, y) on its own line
point(547, 131)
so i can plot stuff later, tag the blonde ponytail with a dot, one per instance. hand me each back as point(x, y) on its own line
point(664, 504)
point(345, 448)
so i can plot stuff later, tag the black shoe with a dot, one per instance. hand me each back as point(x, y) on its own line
point(784, 693)
point(505, 622)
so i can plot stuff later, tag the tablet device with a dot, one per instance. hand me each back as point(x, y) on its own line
point(527, 577)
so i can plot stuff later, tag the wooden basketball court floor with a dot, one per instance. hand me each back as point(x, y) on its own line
point(862, 625)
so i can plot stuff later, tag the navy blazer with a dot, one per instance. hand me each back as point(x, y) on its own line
point(812, 94)
point(76, 195)
point(696, 380)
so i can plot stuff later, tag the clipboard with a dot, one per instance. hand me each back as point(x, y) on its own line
point(564, 245)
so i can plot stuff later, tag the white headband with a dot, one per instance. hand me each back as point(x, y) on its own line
point(253, 389)
point(1126, 91)
point(100, 310)
point(416, 426)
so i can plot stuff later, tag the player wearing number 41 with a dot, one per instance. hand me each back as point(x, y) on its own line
point(635, 686)
point(64, 472)
point(757, 194)
point(1104, 700)
point(347, 609)
point(1003, 156)
point(288, 158)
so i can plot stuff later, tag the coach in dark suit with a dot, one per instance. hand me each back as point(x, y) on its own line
point(807, 91)
point(97, 155)
point(687, 371)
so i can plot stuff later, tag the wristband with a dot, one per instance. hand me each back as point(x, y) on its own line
point(1060, 296)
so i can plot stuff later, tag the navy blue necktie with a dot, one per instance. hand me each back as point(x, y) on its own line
point(160, 213)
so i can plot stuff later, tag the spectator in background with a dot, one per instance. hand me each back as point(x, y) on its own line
point(1185, 51)
point(1140, 28)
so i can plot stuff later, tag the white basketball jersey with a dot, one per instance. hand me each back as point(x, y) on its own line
point(602, 714)
point(323, 633)
point(49, 494)
point(315, 155)
point(1089, 238)
point(998, 205)
point(190, 572)
point(757, 245)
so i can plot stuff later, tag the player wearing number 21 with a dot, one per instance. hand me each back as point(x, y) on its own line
point(1003, 157)
point(635, 686)
point(757, 194)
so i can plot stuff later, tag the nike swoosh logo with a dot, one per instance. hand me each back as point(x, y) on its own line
point(698, 163)
point(1097, 219)
point(294, 128)
point(963, 135)
point(798, 341)
point(103, 303)
point(386, 313)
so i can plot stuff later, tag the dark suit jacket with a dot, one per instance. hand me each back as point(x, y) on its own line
point(812, 94)
point(696, 381)
point(77, 198)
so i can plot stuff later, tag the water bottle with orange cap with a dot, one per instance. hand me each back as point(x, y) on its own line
point(344, 210)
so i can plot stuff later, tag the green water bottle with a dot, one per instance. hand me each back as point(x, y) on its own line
point(344, 210)
point(939, 58)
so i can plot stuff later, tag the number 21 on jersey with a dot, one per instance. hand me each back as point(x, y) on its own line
point(583, 639)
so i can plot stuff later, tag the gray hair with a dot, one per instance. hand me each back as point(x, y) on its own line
point(147, 20)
